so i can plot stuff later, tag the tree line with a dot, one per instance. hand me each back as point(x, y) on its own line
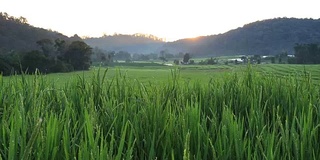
point(53, 56)
point(109, 58)
point(6, 16)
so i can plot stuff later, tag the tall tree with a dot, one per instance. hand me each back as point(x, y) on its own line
point(307, 53)
point(78, 55)
point(60, 45)
point(47, 47)
point(186, 58)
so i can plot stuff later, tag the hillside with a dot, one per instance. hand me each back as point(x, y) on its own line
point(137, 43)
point(262, 37)
point(16, 34)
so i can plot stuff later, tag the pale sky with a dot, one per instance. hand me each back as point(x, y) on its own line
point(169, 19)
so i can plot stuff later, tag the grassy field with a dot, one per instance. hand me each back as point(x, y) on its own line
point(145, 74)
point(203, 73)
point(188, 112)
point(283, 70)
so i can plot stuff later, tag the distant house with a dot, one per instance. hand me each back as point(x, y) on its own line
point(267, 56)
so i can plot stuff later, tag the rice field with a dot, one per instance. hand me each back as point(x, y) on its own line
point(228, 112)
point(283, 70)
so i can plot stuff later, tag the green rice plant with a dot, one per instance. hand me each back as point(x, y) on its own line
point(242, 115)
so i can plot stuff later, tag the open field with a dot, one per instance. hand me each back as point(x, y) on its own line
point(283, 70)
point(188, 112)
point(203, 73)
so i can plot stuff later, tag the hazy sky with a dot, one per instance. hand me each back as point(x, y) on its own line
point(170, 19)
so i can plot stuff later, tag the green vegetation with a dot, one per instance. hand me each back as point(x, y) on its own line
point(25, 48)
point(95, 115)
point(155, 72)
point(54, 57)
point(307, 54)
point(286, 70)
point(225, 110)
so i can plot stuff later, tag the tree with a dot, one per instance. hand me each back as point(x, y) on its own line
point(5, 67)
point(186, 58)
point(60, 45)
point(256, 58)
point(282, 56)
point(46, 46)
point(10, 63)
point(212, 61)
point(176, 62)
point(153, 56)
point(111, 56)
point(78, 55)
point(273, 59)
point(259, 61)
point(301, 53)
point(22, 20)
point(49, 49)
point(140, 57)
point(52, 50)
point(99, 56)
point(122, 55)
point(307, 53)
point(35, 60)
point(162, 56)
point(162, 53)
point(163, 59)
point(165, 54)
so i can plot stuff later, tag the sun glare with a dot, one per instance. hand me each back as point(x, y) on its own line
point(193, 39)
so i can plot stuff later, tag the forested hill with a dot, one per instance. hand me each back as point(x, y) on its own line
point(262, 37)
point(137, 43)
point(16, 34)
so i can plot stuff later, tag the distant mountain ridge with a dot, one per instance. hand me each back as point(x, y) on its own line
point(136, 43)
point(265, 37)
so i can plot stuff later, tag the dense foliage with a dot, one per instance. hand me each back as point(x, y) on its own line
point(307, 54)
point(78, 55)
point(242, 116)
point(24, 48)
point(55, 56)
